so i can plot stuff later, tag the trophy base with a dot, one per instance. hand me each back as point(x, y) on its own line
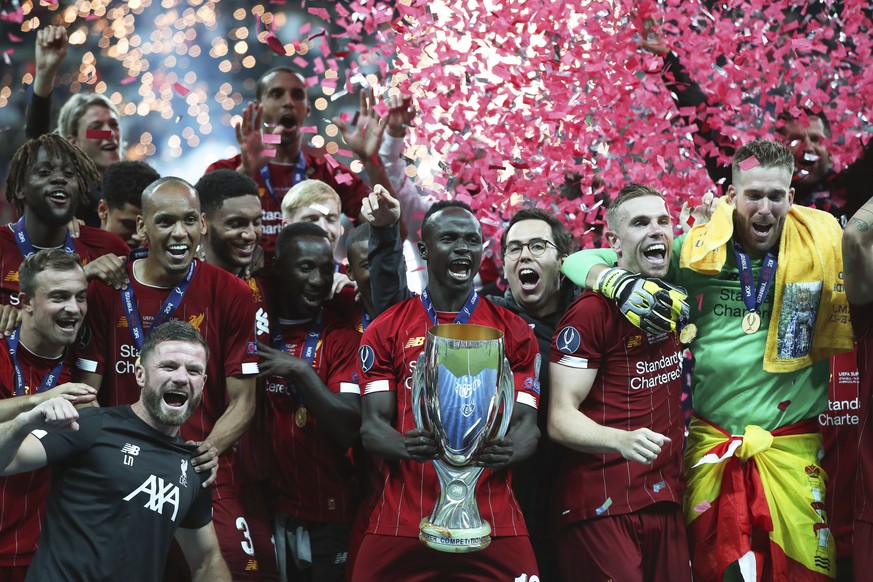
point(455, 541)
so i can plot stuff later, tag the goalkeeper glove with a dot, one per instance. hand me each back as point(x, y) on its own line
point(650, 304)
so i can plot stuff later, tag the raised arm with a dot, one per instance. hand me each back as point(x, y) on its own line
point(20, 451)
point(568, 426)
point(385, 255)
point(51, 49)
point(858, 255)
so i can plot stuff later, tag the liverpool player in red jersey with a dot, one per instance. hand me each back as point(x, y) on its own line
point(452, 247)
point(33, 369)
point(167, 282)
point(314, 400)
point(616, 403)
point(281, 108)
point(229, 201)
point(48, 178)
point(858, 270)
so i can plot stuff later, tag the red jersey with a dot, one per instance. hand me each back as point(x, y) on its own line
point(22, 496)
point(390, 347)
point(638, 385)
point(840, 429)
point(254, 454)
point(351, 193)
point(91, 244)
point(862, 323)
point(314, 477)
point(217, 303)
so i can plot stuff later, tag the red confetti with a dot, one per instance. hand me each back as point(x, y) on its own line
point(749, 163)
point(275, 44)
point(98, 134)
point(13, 38)
point(181, 89)
point(784, 404)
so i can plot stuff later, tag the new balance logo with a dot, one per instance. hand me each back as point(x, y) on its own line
point(414, 342)
point(130, 449)
point(160, 493)
point(262, 322)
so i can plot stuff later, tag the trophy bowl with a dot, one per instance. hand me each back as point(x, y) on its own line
point(462, 391)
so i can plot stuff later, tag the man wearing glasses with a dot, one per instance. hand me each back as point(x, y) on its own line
point(534, 245)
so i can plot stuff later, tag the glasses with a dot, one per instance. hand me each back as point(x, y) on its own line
point(536, 246)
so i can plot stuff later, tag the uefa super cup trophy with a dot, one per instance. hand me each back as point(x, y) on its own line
point(461, 389)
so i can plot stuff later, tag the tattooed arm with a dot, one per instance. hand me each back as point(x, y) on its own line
point(858, 255)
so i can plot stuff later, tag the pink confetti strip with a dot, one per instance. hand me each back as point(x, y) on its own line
point(271, 138)
point(181, 89)
point(128, 80)
point(344, 178)
point(308, 129)
point(749, 163)
point(702, 506)
point(268, 153)
point(98, 134)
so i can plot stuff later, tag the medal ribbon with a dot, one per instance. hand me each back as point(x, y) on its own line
point(747, 278)
point(464, 314)
point(310, 348)
point(48, 382)
point(26, 247)
point(168, 308)
point(298, 175)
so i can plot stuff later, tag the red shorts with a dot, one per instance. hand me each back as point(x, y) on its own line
point(383, 558)
point(244, 539)
point(649, 545)
point(239, 535)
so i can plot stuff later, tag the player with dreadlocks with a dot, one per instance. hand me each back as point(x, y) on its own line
point(47, 180)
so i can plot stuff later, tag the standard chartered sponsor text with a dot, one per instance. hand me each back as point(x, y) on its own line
point(651, 374)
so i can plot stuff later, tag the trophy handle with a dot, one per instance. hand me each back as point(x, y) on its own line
point(418, 392)
point(505, 392)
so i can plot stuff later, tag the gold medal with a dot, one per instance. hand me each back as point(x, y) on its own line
point(751, 322)
point(688, 333)
point(301, 416)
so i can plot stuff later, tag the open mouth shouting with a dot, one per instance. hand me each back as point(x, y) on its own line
point(656, 254)
point(288, 122)
point(461, 270)
point(528, 278)
point(175, 399)
point(762, 230)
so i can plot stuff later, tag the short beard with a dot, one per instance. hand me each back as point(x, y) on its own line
point(152, 400)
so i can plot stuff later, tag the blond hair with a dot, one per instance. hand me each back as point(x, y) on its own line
point(307, 193)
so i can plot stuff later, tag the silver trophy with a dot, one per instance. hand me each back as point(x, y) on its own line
point(462, 387)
